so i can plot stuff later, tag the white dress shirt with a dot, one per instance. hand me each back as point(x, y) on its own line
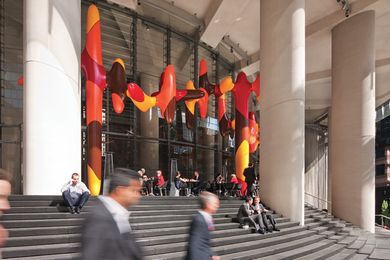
point(118, 212)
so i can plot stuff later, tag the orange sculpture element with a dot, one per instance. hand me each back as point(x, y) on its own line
point(92, 67)
point(96, 81)
point(254, 139)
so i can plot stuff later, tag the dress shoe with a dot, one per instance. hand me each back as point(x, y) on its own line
point(261, 231)
point(276, 229)
point(78, 210)
point(71, 210)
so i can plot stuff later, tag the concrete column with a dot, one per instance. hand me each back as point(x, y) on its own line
point(148, 123)
point(51, 97)
point(352, 132)
point(282, 114)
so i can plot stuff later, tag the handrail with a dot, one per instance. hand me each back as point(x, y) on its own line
point(328, 203)
point(382, 217)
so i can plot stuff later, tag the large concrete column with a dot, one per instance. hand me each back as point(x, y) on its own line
point(148, 124)
point(352, 131)
point(51, 113)
point(282, 106)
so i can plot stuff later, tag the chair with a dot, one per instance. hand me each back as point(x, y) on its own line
point(229, 187)
point(236, 191)
point(162, 189)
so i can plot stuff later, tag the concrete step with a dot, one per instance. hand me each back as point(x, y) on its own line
point(343, 254)
point(359, 257)
point(27, 251)
point(41, 231)
point(43, 240)
point(347, 240)
point(183, 230)
point(324, 253)
point(231, 251)
point(302, 251)
point(256, 252)
point(68, 256)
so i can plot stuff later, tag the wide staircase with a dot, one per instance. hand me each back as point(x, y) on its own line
point(40, 228)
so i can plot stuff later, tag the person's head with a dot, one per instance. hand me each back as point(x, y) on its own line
point(158, 172)
point(196, 173)
point(250, 164)
point(5, 191)
point(249, 200)
point(75, 178)
point(256, 200)
point(125, 187)
point(140, 173)
point(143, 170)
point(178, 174)
point(233, 175)
point(209, 202)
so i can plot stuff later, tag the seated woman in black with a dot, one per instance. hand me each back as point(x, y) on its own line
point(180, 182)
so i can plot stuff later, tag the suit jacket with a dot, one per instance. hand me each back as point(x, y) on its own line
point(199, 240)
point(249, 174)
point(101, 238)
point(244, 211)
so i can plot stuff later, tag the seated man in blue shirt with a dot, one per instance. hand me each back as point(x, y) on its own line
point(75, 194)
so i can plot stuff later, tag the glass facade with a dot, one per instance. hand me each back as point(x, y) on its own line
point(132, 139)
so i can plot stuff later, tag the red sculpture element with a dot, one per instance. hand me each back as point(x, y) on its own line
point(166, 98)
point(96, 82)
point(21, 81)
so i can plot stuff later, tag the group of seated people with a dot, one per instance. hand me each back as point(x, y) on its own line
point(253, 213)
point(154, 184)
point(191, 186)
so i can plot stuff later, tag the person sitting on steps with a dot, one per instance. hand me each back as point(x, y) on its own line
point(246, 214)
point(75, 194)
point(258, 208)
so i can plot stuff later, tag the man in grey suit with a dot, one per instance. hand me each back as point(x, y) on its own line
point(107, 231)
point(202, 223)
point(246, 214)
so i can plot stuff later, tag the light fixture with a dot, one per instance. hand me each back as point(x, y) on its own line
point(345, 6)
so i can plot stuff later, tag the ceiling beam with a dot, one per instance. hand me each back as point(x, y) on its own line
point(336, 17)
point(319, 25)
point(219, 19)
point(328, 73)
point(174, 11)
point(235, 47)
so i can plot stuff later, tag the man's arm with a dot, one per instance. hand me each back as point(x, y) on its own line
point(65, 187)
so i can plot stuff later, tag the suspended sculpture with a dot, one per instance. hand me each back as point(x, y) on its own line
point(96, 81)
point(245, 126)
point(166, 98)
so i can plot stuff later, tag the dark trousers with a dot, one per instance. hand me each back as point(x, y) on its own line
point(79, 202)
point(271, 219)
point(253, 220)
point(249, 188)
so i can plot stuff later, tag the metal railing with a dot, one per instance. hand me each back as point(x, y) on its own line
point(319, 205)
point(383, 217)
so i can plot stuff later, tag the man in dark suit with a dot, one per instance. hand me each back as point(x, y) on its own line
point(107, 231)
point(198, 183)
point(202, 223)
point(250, 177)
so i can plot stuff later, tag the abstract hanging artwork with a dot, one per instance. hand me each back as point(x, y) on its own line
point(244, 127)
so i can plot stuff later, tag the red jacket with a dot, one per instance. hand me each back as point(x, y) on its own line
point(160, 180)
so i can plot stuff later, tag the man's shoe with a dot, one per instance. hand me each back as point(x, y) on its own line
point(71, 210)
point(261, 231)
point(78, 210)
point(276, 229)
